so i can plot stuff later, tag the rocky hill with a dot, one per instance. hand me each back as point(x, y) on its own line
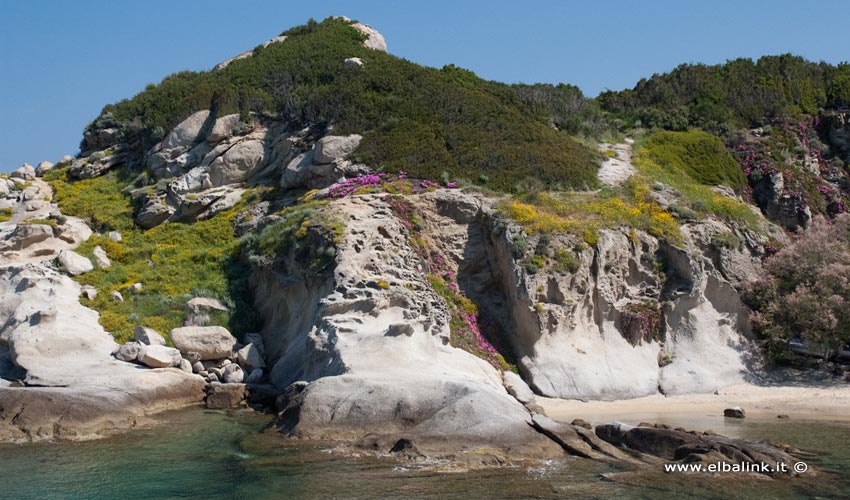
point(393, 256)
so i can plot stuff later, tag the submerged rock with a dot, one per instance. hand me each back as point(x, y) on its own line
point(222, 396)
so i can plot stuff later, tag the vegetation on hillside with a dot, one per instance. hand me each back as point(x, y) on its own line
point(174, 262)
point(701, 156)
point(805, 295)
point(738, 94)
point(418, 119)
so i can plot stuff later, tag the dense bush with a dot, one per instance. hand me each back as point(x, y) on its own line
point(565, 107)
point(701, 156)
point(806, 291)
point(421, 120)
point(740, 93)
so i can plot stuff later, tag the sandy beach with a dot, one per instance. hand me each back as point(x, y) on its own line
point(797, 402)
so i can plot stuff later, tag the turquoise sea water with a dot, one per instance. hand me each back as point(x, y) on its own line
point(199, 454)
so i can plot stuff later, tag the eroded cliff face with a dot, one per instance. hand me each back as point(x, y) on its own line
point(578, 334)
point(365, 352)
point(367, 349)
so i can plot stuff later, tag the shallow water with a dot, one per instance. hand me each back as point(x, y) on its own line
point(209, 455)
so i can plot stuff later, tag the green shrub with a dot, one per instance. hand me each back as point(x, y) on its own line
point(421, 120)
point(703, 157)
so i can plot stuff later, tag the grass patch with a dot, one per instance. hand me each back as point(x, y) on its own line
point(583, 214)
point(5, 214)
point(173, 261)
point(699, 199)
point(701, 156)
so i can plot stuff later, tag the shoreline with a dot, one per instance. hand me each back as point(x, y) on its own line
point(814, 402)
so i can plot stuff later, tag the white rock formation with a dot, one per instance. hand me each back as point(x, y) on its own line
point(377, 358)
point(73, 387)
point(75, 263)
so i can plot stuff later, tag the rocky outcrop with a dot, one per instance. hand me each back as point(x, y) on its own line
point(355, 375)
point(66, 384)
point(569, 329)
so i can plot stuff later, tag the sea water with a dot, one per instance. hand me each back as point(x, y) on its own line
point(202, 454)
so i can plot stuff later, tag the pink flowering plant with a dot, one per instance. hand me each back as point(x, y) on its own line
point(382, 182)
point(642, 322)
point(805, 294)
point(463, 314)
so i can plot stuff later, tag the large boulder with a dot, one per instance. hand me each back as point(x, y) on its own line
point(101, 258)
point(75, 263)
point(147, 336)
point(26, 235)
point(335, 147)
point(159, 356)
point(153, 213)
point(43, 168)
point(517, 387)
point(223, 128)
point(222, 396)
point(24, 172)
point(210, 342)
point(238, 163)
point(205, 304)
point(186, 133)
point(129, 352)
point(250, 358)
point(374, 39)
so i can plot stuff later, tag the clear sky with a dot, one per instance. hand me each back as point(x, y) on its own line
point(62, 61)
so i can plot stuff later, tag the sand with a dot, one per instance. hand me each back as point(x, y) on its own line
point(813, 402)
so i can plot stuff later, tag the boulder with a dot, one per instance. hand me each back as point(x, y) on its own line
point(375, 40)
point(233, 374)
point(734, 412)
point(66, 160)
point(185, 365)
point(238, 163)
point(193, 357)
point(100, 257)
point(129, 351)
point(249, 357)
point(89, 292)
point(210, 342)
point(75, 263)
point(116, 296)
point(257, 340)
point(187, 131)
point(352, 62)
point(335, 147)
point(202, 304)
point(24, 172)
point(197, 367)
point(159, 356)
point(223, 128)
point(517, 387)
point(114, 236)
point(43, 167)
point(153, 213)
point(222, 396)
point(255, 377)
point(148, 336)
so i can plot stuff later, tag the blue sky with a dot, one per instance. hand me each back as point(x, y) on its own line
point(62, 61)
